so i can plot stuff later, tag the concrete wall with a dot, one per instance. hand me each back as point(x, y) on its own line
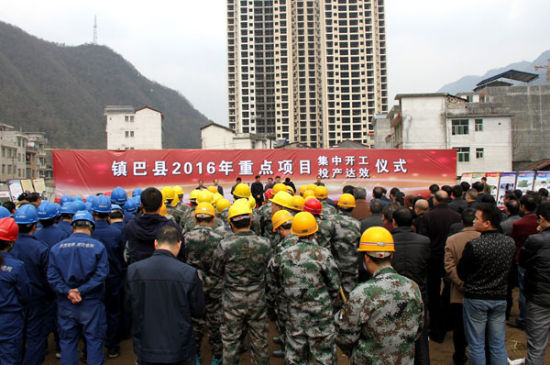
point(530, 108)
point(423, 122)
point(216, 138)
point(146, 125)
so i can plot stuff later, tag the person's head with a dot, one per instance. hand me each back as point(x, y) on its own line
point(400, 199)
point(360, 193)
point(318, 179)
point(441, 197)
point(348, 189)
point(489, 199)
point(116, 215)
point(465, 186)
point(9, 205)
point(409, 201)
point(270, 180)
point(240, 215)
point(457, 191)
point(377, 192)
point(287, 180)
point(434, 188)
point(257, 178)
point(402, 217)
point(393, 193)
point(512, 207)
point(282, 222)
point(277, 179)
point(528, 203)
point(346, 202)
point(35, 199)
point(468, 216)
point(8, 235)
point(518, 193)
point(216, 182)
point(543, 193)
point(377, 247)
point(471, 195)
point(201, 182)
point(83, 222)
point(487, 218)
point(169, 239)
point(447, 189)
point(376, 206)
point(543, 213)
point(238, 180)
point(421, 206)
point(478, 185)
point(484, 180)
point(151, 200)
point(387, 212)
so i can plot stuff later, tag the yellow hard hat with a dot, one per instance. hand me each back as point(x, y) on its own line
point(163, 210)
point(302, 189)
point(215, 197)
point(240, 207)
point(168, 193)
point(283, 199)
point(280, 218)
point(304, 224)
point(309, 193)
point(279, 187)
point(252, 202)
point(321, 192)
point(178, 190)
point(222, 204)
point(241, 191)
point(346, 201)
point(290, 190)
point(298, 203)
point(175, 201)
point(194, 194)
point(311, 187)
point(205, 208)
point(204, 196)
point(212, 189)
point(377, 242)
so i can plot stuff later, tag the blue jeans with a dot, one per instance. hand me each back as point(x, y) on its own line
point(521, 299)
point(480, 316)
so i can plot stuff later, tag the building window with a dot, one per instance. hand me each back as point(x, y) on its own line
point(131, 118)
point(460, 126)
point(125, 118)
point(463, 154)
point(479, 125)
point(479, 153)
point(128, 134)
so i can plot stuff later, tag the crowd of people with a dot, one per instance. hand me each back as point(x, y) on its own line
point(379, 278)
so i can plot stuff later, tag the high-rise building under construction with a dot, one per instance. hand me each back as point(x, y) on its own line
point(313, 72)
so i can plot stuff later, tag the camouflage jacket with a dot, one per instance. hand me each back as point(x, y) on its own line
point(187, 213)
point(200, 244)
point(328, 209)
point(310, 284)
point(241, 261)
point(345, 242)
point(327, 231)
point(190, 223)
point(381, 320)
point(175, 212)
point(265, 222)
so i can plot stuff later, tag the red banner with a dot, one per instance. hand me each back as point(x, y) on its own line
point(86, 172)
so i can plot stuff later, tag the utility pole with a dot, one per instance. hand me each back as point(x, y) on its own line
point(95, 30)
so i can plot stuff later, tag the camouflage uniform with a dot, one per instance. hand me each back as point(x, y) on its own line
point(188, 213)
point(344, 248)
point(241, 260)
point(223, 215)
point(174, 212)
point(308, 277)
point(381, 320)
point(328, 209)
point(267, 227)
point(327, 231)
point(200, 244)
point(190, 223)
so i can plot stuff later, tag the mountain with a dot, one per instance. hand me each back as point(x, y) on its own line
point(468, 83)
point(63, 91)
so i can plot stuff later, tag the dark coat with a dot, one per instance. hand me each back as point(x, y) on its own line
point(535, 258)
point(436, 224)
point(361, 210)
point(410, 259)
point(523, 228)
point(374, 220)
point(165, 294)
point(257, 190)
point(458, 205)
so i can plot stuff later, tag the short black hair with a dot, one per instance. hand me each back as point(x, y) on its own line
point(447, 189)
point(286, 225)
point(490, 213)
point(102, 216)
point(478, 186)
point(457, 191)
point(403, 217)
point(377, 192)
point(151, 199)
point(543, 192)
point(238, 179)
point(488, 198)
point(388, 210)
point(434, 188)
point(529, 202)
point(376, 206)
point(9, 205)
point(348, 189)
point(394, 191)
point(484, 178)
point(513, 206)
point(116, 214)
point(518, 193)
point(400, 198)
point(468, 216)
point(465, 185)
point(169, 235)
point(47, 222)
point(257, 177)
point(83, 224)
point(287, 179)
point(544, 211)
point(380, 261)
point(359, 193)
point(206, 219)
point(26, 228)
point(244, 222)
point(277, 177)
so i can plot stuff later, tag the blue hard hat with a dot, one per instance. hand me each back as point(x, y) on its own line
point(130, 206)
point(79, 205)
point(26, 214)
point(58, 209)
point(118, 196)
point(88, 206)
point(65, 199)
point(102, 204)
point(78, 198)
point(4, 212)
point(83, 215)
point(117, 207)
point(46, 211)
point(91, 199)
point(68, 208)
point(136, 192)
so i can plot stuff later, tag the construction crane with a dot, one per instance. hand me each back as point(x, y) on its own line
point(547, 70)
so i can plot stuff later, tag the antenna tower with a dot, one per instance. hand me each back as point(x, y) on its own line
point(95, 30)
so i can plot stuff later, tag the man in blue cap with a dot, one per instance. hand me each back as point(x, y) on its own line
point(111, 237)
point(67, 212)
point(50, 232)
point(34, 254)
point(77, 271)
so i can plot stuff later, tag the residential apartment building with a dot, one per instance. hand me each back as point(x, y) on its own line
point(129, 129)
point(311, 72)
point(480, 132)
point(22, 154)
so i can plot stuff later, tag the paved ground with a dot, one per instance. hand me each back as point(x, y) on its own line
point(440, 354)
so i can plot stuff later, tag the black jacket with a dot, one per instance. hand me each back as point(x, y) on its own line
point(535, 258)
point(257, 190)
point(485, 265)
point(458, 205)
point(410, 258)
point(372, 221)
point(141, 233)
point(165, 294)
point(435, 225)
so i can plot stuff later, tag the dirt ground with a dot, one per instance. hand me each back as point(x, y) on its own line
point(440, 354)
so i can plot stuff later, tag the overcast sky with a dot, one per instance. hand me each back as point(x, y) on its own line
point(181, 44)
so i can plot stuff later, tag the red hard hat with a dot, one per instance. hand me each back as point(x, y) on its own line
point(269, 194)
point(8, 229)
point(313, 206)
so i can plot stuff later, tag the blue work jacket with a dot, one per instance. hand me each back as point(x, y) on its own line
point(14, 285)
point(65, 227)
point(51, 235)
point(111, 237)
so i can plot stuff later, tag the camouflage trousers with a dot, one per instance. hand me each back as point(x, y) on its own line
point(247, 314)
point(212, 322)
point(282, 318)
point(302, 346)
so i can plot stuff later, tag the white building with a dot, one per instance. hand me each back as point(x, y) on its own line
point(217, 137)
point(480, 132)
point(129, 129)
